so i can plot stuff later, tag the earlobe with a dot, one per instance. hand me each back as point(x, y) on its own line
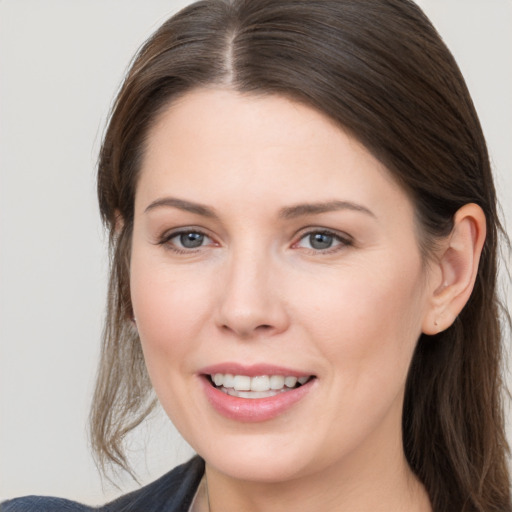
point(458, 267)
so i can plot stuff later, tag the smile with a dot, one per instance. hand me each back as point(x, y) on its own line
point(261, 386)
point(255, 392)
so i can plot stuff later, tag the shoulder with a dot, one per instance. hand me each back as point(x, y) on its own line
point(172, 492)
point(42, 504)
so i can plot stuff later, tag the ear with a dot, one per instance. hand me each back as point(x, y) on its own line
point(455, 269)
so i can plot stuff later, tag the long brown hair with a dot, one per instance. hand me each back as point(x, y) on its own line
point(381, 71)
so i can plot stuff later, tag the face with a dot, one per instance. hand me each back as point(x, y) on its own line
point(277, 286)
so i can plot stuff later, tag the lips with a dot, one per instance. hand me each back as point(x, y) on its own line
point(255, 393)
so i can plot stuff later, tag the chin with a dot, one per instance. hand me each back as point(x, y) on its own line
point(260, 458)
point(264, 468)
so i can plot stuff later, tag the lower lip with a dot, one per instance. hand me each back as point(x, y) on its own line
point(253, 409)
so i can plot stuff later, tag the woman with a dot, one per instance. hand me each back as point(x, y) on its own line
point(304, 235)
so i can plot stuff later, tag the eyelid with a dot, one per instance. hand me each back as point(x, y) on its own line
point(345, 239)
point(165, 238)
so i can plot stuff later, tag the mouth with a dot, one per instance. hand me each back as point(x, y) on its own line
point(260, 386)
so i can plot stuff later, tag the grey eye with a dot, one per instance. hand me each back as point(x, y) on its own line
point(191, 240)
point(320, 241)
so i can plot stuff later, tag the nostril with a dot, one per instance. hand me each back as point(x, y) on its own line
point(262, 328)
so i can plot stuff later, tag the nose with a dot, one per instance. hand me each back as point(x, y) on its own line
point(251, 300)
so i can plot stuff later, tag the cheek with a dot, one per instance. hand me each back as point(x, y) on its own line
point(170, 309)
point(368, 324)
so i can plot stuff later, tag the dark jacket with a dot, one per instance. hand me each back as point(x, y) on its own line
point(173, 492)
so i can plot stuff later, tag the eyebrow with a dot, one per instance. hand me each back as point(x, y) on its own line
point(299, 210)
point(181, 204)
point(288, 212)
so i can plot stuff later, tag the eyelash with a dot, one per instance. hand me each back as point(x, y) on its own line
point(165, 240)
point(343, 241)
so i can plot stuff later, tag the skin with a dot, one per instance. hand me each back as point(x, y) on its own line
point(256, 291)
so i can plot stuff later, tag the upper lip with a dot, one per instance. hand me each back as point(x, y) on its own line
point(252, 370)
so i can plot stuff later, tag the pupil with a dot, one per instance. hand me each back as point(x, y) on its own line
point(320, 241)
point(191, 240)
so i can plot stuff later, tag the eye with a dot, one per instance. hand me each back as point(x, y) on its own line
point(322, 241)
point(184, 241)
point(189, 240)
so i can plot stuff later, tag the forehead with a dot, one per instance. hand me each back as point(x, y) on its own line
point(222, 118)
point(215, 144)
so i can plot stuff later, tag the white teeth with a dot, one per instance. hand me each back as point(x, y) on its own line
point(242, 383)
point(229, 380)
point(255, 385)
point(252, 394)
point(290, 382)
point(276, 382)
point(261, 383)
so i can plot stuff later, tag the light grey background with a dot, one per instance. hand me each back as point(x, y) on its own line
point(60, 63)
